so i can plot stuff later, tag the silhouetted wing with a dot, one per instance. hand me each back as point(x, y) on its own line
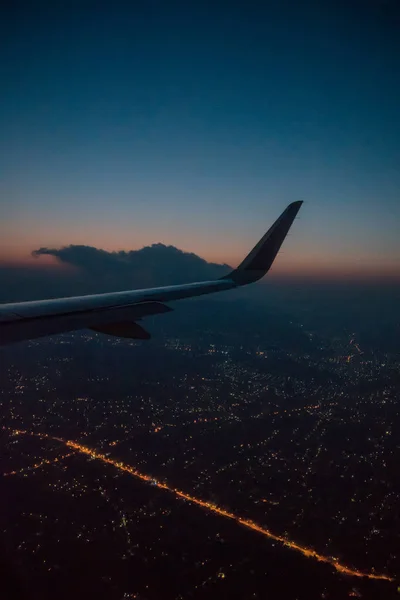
point(116, 313)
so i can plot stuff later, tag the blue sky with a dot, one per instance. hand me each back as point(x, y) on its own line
point(194, 124)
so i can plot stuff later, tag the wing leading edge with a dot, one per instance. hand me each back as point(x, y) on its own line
point(116, 313)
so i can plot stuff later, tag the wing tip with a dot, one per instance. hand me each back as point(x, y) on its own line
point(294, 206)
point(258, 262)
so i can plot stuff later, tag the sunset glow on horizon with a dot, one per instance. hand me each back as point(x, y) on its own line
point(291, 263)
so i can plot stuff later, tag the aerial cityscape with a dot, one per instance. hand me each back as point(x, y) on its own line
point(207, 464)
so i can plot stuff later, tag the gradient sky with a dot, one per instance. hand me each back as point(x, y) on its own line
point(195, 123)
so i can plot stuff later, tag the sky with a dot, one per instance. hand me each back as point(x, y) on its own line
point(195, 124)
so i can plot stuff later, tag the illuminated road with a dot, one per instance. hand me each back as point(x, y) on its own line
point(308, 552)
point(38, 465)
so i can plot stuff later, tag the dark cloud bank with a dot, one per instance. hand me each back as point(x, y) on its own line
point(97, 271)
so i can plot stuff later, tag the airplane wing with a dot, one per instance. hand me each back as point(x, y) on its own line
point(116, 313)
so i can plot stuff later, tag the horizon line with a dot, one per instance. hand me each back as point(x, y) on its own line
point(321, 274)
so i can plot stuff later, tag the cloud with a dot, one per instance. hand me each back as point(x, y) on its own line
point(157, 264)
point(96, 270)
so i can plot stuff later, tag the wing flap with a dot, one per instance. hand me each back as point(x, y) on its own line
point(125, 329)
point(34, 327)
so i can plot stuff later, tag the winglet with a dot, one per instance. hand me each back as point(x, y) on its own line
point(258, 262)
